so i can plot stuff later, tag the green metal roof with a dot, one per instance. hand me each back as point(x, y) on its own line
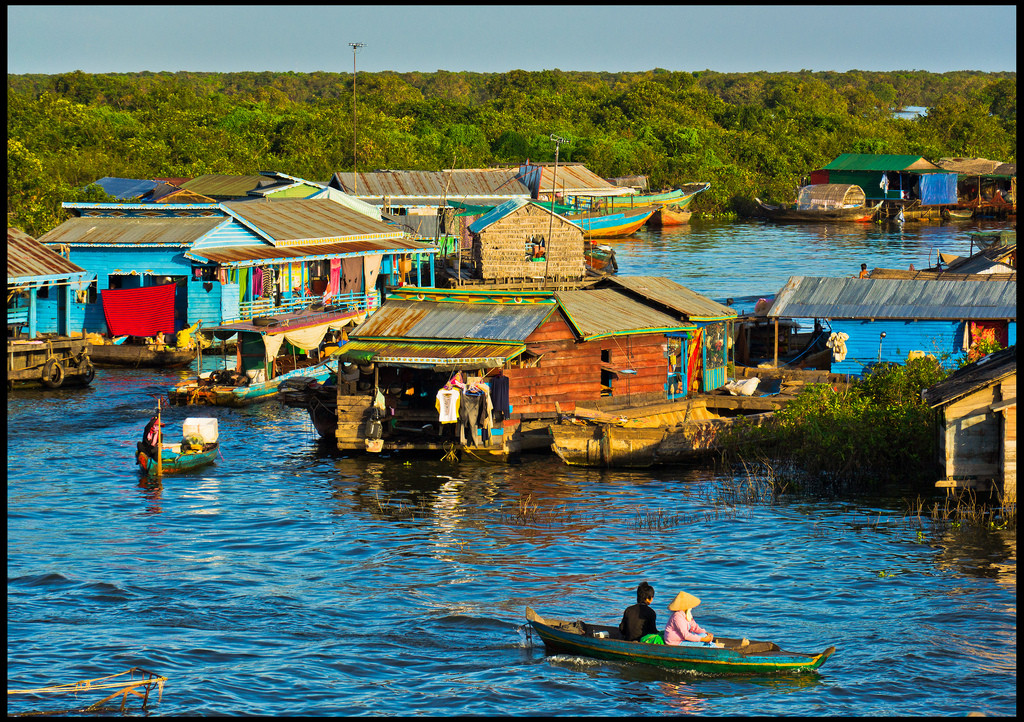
point(873, 162)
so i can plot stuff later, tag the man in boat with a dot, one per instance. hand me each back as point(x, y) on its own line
point(639, 621)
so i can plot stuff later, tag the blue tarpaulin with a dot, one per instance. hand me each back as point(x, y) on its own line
point(937, 188)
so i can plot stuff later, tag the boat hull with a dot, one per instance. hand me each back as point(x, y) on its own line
point(758, 658)
point(667, 216)
point(139, 356)
point(192, 393)
point(613, 225)
point(174, 462)
point(779, 214)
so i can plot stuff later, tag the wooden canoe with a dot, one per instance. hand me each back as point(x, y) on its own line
point(599, 258)
point(761, 658)
point(140, 356)
point(679, 198)
point(174, 461)
point(611, 225)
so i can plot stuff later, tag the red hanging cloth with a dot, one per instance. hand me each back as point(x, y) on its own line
point(139, 311)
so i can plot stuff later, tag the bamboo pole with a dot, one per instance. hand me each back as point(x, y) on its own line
point(776, 343)
point(159, 442)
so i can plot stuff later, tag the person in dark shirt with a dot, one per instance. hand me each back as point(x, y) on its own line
point(639, 620)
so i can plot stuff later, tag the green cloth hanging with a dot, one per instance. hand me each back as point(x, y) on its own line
point(243, 283)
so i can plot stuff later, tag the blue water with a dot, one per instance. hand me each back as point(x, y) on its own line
point(289, 580)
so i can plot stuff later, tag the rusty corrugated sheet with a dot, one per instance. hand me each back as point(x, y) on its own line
point(400, 319)
point(608, 311)
point(471, 355)
point(222, 186)
point(675, 296)
point(303, 220)
point(453, 184)
point(575, 179)
point(866, 298)
point(27, 258)
point(131, 231)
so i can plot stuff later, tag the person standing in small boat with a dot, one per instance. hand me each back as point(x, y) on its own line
point(682, 628)
point(639, 622)
point(149, 437)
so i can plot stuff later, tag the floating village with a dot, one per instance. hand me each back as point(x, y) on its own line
point(476, 311)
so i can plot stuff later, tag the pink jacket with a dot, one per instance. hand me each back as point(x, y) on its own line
point(679, 628)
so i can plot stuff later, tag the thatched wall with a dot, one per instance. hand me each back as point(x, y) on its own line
point(500, 251)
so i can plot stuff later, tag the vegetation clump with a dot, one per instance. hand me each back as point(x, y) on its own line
point(878, 430)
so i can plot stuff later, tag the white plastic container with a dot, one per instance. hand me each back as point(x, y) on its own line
point(206, 429)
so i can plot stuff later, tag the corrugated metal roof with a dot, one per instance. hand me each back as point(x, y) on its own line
point(222, 186)
point(972, 377)
point(302, 220)
point(607, 311)
point(131, 231)
point(125, 188)
point(28, 259)
point(675, 296)
point(444, 355)
point(859, 298)
point(571, 178)
point(880, 162)
point(453, 320)
point(421, 184)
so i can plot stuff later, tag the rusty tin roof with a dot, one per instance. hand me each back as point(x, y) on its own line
point(297, 221)
point(675, 296)
point(421, 184)
point(506, 322)
point(866, 298)
point(28, 259)
point(600, 312)
point(431, 354)
point(89, 230)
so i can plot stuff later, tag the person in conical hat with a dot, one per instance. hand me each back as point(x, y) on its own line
point(681, 628)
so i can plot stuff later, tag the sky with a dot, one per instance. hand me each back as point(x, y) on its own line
point(54, 39)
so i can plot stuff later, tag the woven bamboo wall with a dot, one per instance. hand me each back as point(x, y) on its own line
point(499, 251)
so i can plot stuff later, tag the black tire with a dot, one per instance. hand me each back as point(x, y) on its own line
point(53, 373)
point(264, 321)
point(88, 371)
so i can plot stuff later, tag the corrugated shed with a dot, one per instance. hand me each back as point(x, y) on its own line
point(468, 184)
point(600, 312)
point(28, 259)
point(881, 162)
point(675, 296)
point(296, 221)
point(972, 377)
point(250, 254)
point(88, 230)
point(399, 319)
point(817, 297)
point(125, 188)
point(411, 353)
point(222, 186)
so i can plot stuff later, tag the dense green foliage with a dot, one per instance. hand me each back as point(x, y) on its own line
point(750, 134)
point(878, 429)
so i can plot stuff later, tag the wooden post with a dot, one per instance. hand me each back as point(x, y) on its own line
point(776, 343)
point(159, 442)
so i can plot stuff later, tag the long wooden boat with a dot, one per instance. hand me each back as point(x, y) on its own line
point(611, 225)
point(671, 205)
point(140, 356)
point(211, 390)
point(664, 434)
point(605, 642)
point(789, 214)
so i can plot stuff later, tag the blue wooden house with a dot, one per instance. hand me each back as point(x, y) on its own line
point(40, 286)
point(885, 319)
point(235, 260)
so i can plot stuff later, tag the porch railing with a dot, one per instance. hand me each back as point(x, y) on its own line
point(267, 307)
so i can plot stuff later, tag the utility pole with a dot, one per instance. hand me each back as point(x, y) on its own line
point(551, 220)
point(355, 179)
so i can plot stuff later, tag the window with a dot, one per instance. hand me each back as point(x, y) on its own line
point(536, 248)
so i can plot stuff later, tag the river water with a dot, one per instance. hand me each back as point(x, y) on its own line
point(290, 580)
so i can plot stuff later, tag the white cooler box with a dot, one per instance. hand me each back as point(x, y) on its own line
point(206, 429)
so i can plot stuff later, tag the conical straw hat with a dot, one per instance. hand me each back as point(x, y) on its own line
point(682, 602)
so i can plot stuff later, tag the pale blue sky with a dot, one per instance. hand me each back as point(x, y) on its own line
point(622, 37)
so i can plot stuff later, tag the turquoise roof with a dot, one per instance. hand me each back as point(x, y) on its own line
point(496, 214)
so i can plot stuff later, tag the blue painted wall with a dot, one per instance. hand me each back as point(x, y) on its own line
point(901, 337)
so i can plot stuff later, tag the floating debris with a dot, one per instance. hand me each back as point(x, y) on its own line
point(139, 682)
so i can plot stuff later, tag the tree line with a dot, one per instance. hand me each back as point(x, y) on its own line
point(749, 134)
